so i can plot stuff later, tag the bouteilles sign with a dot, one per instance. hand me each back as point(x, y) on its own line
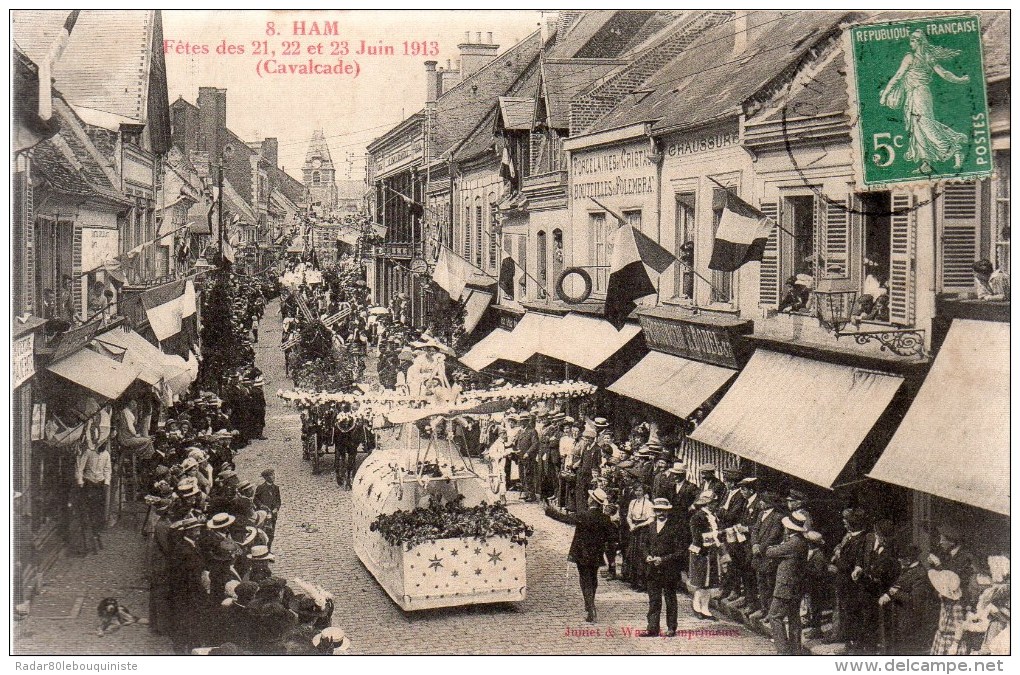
point(922, 109)
point(612, 172)
point(22, 360)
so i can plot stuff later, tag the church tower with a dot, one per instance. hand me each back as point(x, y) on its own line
point(320, 176)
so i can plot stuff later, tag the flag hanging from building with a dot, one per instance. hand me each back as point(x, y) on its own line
point(635, 257)
point(506, 166)
point(416, 208)
point(741, 236)
point(507, 270)
point(451, 273)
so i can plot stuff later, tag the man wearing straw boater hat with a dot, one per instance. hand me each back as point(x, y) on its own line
point(661, 550)
point(592, 532)
point(784, 610)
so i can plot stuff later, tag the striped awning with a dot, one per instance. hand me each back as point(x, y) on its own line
point(803, 417)
point(954, 440)
point(586, 341)
point(671, 383)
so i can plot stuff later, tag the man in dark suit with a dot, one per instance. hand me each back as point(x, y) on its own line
point(267, 498)
point(664, 484)
point(587, 460)
point(914, 606)
point(784, 611)
point(877, 571)
point(730, 511)
point(847, 556)
point(766, 530)
point(526, 449)
point(662, 552)
point(593, 531)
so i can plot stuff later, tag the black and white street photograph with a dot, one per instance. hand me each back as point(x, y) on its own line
point(510, 332)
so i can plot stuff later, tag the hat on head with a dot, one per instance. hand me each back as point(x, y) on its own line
point(600, 423)
point(705, 497)
point(230, 588)
point(261, 553)
point(998, 566)
point(679, 467)
point(273, 584)
point(795, 521)
point(599, 495)
point(189, 463)
point(946, 583)
point(855, 518)
point(249, 535)
point(198, 454)
point(226, 475)
point(226, 550)
point(662, 504)
point(220, 521)
point(187, 487)
point(708, 468)
point(815, 538)
point(186, 524)
point(247, 489)
point(732, 474)
point(333, 637)
point(268, 472)
point(245, 591)
point(748, 482)
point(797, 495)
point(569, 420)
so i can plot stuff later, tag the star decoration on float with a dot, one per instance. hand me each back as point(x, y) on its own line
point(478, 571)
point(435, 562)
point(495, 556)
point(454, 552)
point(455, 573)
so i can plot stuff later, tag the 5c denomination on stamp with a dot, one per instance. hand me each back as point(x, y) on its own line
point(919, 91)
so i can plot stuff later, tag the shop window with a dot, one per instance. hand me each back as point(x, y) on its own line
point(543, 264)
point(633, 218)
point(598, 252)
point(722, 282)
point(683, 235)
point(557, 255)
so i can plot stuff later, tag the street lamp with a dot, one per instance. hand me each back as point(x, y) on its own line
point(834, 309)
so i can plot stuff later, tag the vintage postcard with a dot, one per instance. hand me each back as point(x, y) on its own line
point(510, 332)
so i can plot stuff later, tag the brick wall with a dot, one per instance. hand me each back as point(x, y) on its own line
point(586, 110)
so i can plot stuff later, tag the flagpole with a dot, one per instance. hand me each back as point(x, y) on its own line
point(508, 255)
point(734, 194)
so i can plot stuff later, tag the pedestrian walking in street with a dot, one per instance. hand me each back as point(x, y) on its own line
point(592, 532)
point(661, 552)
point(267, 498)
point(93, 472)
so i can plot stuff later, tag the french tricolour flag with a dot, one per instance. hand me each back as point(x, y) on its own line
point(634, 258)
point(743, 231)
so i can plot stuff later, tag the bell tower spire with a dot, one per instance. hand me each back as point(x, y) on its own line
point(319, 175)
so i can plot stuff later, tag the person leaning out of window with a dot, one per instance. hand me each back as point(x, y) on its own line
point(990, 283)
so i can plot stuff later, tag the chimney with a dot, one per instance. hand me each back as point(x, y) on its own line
point(565, 20)
point(476, 55)
point(548, 28)
point(271, 150)
point(432, 82)
point(212, 120)
point(740, 32)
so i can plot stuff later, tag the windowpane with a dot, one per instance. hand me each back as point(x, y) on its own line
point(633, 218)
point(684, 238)
point(597, 252)
point(557, 256)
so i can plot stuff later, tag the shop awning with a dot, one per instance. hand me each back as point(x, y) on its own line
point(530, 335)
point(96, 373)
point(487, 350)
point(954, 440)
point(141, 355)
point(475, 304)
point(803, 417)
point(586, 341)
point(672, 383)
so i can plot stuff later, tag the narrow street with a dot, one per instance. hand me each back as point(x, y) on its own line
point(313, 543)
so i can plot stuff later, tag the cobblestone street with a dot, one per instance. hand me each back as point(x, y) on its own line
point(313, 542)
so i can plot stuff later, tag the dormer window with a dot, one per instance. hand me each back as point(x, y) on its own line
point(132, 134)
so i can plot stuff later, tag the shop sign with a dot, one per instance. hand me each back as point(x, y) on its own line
point(612, 172)
point(695, 340)
point(705, 141)
point(22, 360)
point(508, 320)
point(97, 247)
point(401, 155)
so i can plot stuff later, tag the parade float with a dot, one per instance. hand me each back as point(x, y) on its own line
point(430, 522)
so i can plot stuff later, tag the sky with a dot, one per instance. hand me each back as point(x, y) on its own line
point(351, 111)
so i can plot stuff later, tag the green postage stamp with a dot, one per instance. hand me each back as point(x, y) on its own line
point(922, 112)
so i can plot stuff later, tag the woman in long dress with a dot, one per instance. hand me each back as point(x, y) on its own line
point(640, 517)
point(930, 140)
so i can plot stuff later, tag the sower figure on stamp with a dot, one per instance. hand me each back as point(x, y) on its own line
point(661, 551)
point(587, 549)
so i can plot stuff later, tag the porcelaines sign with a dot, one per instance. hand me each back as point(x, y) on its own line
point(613, 172)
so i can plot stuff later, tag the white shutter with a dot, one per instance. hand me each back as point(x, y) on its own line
point(961, 216)
point(901, 259)
point(768, 282)
point(835, 240)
